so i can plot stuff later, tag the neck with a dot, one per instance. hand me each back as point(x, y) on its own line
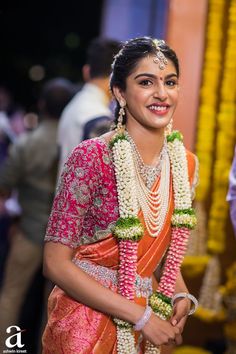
point(149, 142)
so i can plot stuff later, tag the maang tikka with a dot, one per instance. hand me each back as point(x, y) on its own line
point(160, 57)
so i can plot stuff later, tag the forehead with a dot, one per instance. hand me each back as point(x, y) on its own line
point(147, 65)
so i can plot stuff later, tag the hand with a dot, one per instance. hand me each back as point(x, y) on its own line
point(159, 332)
point(180, 313)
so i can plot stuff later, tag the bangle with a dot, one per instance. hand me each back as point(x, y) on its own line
point(143, 320)
point(188, 296)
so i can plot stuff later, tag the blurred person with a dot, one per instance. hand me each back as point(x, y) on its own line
point(31, 168)
point(231, 196)
point(11, 126)
point(89, 114)
point(13, 113)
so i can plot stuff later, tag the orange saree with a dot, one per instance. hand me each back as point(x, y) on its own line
point(75, 328)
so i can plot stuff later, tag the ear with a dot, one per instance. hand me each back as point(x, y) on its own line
point(86, 72)
point(119, 95)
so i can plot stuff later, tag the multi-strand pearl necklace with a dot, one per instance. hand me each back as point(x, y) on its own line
point(154, 205)
point(129, 230)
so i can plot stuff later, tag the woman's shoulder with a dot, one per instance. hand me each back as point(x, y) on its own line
point(193, 169)
point(89, 146)
point(191, 157)
point(91, 151)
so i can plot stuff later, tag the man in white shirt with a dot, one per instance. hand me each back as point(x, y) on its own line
point(88, 114)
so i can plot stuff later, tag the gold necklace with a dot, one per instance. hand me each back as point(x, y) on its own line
point(148, 173)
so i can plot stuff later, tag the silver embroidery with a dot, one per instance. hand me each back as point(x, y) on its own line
point(109, 277)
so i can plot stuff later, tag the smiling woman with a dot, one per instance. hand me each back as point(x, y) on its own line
point(121, 217)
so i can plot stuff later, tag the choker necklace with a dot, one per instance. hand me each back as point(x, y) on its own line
point(148, 173)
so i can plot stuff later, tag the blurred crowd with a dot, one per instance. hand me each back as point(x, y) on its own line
point(33, 148)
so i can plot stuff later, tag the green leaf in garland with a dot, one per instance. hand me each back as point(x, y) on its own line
point(116, 138)
point(129, 228)
point(173, 136)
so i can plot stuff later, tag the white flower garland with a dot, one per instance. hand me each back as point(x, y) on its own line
point(129, 230)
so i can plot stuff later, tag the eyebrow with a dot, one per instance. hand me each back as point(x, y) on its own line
point(154, 76)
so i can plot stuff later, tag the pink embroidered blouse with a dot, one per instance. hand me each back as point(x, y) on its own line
point(85, 206)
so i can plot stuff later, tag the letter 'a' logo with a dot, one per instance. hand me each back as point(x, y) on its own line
point(15, 339)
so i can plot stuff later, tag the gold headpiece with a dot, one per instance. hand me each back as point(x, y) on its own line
point(160, 57)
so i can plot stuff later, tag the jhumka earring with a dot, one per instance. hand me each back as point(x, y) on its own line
point(160, 58)
point(168, 129)
point(120, 124)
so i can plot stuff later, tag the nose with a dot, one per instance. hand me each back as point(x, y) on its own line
point(160, 91)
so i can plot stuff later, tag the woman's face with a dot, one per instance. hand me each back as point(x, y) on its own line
point(151, 94)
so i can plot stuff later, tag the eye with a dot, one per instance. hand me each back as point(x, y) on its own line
point(145, 82)
point(171, 83)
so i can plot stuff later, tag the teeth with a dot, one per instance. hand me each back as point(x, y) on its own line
point(158, 108)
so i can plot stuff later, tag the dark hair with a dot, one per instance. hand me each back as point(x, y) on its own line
point(100, 54)
point(128, 58)
point(55, 95)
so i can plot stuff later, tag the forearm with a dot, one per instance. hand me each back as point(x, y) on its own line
point(83, 288)
point(180, 286)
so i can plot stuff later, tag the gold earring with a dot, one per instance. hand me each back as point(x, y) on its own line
point(120, 124)
point(168, 129)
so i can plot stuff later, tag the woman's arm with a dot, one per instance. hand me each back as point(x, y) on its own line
point(59, 268)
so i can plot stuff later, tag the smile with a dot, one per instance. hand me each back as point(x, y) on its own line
point(159, 108)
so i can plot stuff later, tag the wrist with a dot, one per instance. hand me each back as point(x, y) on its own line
point(143, 319)
point(190, 297)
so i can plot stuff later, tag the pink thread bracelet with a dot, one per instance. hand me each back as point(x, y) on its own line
point(143, 320)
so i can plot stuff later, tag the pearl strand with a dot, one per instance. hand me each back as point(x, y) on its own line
point(154, 205)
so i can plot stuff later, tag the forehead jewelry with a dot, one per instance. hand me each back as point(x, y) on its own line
point(160, 58)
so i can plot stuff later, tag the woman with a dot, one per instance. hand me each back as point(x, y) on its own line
point(110, 227)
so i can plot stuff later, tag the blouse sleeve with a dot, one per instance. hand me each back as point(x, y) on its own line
point(73, 197)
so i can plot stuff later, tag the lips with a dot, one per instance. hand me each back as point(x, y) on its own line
point(159, 108)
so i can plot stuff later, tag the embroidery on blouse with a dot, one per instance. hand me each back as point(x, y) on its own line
point(85, 205)
point(98, 235)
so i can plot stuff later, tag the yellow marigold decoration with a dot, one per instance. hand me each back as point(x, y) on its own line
point(193, 266)
point(209, 315)
point(225, 142)
point(213, 64)
point(209, 96)
point(187, 349)
point(230, 330)
point(230, 287)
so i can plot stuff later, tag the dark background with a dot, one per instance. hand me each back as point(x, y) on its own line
point(53, 34)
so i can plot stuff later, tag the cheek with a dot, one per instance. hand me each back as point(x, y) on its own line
point(174, 96)
point(136, 96)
